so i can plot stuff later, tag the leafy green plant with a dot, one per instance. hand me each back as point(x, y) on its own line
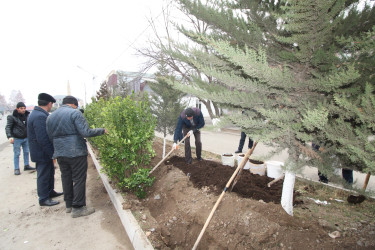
point(128, 146)
point(138, 182)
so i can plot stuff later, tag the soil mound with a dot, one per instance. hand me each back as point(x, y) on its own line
point(215, 176)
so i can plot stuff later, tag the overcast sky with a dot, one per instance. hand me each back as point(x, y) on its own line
point(43, 41)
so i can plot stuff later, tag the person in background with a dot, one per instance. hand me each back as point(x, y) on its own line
point(189, 122)
point(67, 128)
point(16, 131)
point(242, 141)
point(347, 174)
point(41, 150)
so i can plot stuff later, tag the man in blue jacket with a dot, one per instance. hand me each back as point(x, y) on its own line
point(41, 150)
point(189, 122)
point(67, 127)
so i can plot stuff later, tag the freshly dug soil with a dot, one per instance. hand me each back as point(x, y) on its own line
point(249, 217)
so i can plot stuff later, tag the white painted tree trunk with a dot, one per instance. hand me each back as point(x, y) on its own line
point(287, 193)
point(164, 144)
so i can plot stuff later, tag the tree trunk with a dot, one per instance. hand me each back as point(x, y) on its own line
point(208, 107)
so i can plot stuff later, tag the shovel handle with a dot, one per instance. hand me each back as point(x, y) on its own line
point(157, 165)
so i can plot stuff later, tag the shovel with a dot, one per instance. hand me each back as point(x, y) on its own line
point(157, 165)
point(242, 164)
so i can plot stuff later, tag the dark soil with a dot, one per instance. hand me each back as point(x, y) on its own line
point(250, 217)
point(214, 175)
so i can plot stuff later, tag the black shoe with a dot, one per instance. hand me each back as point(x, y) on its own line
point(27, 167)
point(54, 194)
point(48, 203)
point(199, 159)
point(238, 151)
point(190, 161)
point(17, 172)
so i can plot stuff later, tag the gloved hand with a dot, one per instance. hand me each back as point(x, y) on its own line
point(191, 133)
point(11, 140)
point(175, 146)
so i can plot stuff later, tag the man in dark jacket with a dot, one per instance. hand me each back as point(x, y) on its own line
point(189, 122)
point(41, 150)
point(67, 127)
point(16, 130)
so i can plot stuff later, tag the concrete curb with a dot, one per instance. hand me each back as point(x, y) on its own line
point(136, 235)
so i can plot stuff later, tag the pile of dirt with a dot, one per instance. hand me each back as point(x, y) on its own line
point(249, 217)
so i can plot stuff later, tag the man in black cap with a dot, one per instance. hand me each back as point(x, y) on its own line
point(67, 127)
point(189, 122)
point(41, 150)
point(16, 131)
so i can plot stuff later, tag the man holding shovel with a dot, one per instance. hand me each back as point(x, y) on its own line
point(189, 122)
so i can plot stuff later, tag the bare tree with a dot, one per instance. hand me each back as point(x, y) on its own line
point(173, 54)
point(15, 97)
point(3, 104)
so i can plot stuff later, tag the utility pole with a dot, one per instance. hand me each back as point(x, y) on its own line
point(93, 81)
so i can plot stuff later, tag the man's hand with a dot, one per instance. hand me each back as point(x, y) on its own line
point(190, 133)
point(175, 146)
point(105, 131)
point(11, 140)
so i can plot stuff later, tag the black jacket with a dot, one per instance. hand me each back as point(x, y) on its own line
point(41, 148)
point(182, 122)
point(15, 127)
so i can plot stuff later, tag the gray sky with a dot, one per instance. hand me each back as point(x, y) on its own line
point(43, 42)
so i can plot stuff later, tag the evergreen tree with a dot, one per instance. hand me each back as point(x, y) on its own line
point(166, 103)
point(103, 91)
point(283, 71)
point(123, 86)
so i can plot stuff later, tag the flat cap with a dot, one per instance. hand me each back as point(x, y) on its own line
point(46, 97)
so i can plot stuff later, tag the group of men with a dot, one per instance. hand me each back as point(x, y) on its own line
point(46, 137)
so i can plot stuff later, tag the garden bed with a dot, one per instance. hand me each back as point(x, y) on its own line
point(249, 217)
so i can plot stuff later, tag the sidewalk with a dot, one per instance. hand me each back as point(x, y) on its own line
point(26, 225)
point(227, 140)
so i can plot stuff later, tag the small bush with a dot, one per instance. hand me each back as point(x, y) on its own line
point(128, 146)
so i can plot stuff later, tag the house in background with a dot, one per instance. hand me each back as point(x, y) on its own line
point(138, 82)
point(132, 81)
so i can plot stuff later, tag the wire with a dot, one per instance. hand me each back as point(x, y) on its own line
point(135, 40)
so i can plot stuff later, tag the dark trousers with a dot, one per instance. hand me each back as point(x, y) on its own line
point(198, 145)
point(242, 142)
point(45, 181)
point(347, 174)
point(73, 176)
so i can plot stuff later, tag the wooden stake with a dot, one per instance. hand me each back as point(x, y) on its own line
point(157, 165)
point(275, 180)
point(366, 181)
point(243, 165)
point(247, 155)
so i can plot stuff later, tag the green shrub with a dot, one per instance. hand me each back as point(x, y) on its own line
point(128, 146)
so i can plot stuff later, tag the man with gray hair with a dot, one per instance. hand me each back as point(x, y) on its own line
point(67, 127)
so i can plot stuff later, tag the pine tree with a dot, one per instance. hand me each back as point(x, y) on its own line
point(166, 103)
point(283, 72)
point(103, 92)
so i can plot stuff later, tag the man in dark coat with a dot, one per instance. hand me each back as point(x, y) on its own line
point(67, 127)
point(189, 122)
point(16, 131)
point(41, 150)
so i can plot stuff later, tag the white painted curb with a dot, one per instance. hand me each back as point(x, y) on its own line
point(134, 231)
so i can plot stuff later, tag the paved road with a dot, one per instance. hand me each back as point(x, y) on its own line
point(226, 141)
point(26, 225)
